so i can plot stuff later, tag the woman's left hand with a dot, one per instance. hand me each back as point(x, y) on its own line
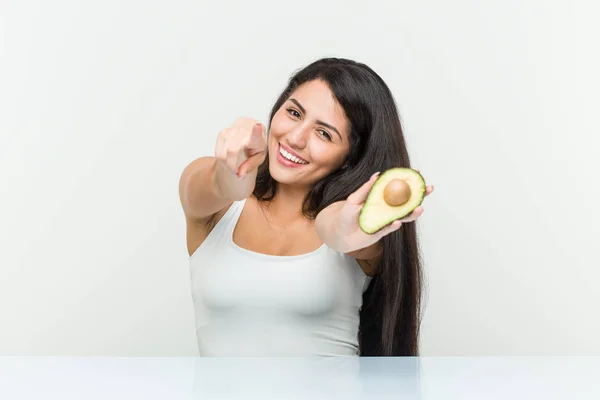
point(341, 229)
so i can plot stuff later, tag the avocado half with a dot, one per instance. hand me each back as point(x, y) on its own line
point(395, 194)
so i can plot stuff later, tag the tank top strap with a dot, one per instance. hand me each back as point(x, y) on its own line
point(225, 226)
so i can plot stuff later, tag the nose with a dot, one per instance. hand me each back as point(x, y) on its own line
point(297, 137)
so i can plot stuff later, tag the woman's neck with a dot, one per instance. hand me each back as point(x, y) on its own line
point(286, 206)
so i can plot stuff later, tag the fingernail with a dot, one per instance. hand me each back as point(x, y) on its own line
point(375, 174)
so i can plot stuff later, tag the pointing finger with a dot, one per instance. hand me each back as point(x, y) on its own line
point(256, 142)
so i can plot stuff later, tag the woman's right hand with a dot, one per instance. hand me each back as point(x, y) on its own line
point(239, 151)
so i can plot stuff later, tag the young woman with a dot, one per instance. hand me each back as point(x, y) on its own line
point(279, 265)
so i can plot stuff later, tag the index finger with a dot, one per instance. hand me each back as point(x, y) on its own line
point(256, 141)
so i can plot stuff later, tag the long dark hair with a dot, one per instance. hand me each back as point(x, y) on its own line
point(390, 315)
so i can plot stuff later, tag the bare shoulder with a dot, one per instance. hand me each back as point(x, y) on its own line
point(197, 230)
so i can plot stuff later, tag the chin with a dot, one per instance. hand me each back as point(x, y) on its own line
point(282, 176)
point(291, 178)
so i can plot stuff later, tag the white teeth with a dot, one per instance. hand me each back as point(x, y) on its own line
point(291, 157)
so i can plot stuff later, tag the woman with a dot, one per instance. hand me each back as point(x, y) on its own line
point(279, 265)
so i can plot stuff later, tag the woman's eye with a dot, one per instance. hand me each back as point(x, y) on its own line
point(326, 135)
point(294, 112)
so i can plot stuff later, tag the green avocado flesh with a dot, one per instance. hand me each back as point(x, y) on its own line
point(376, 213)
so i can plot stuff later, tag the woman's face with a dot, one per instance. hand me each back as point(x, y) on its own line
point(310, 128)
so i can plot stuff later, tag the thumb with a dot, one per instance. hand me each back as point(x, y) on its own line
point(359, 196)
point(252, 163)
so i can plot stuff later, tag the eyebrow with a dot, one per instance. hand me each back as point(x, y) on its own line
point(318, 121)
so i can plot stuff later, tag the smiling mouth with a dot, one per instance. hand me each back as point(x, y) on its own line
point(290, 157)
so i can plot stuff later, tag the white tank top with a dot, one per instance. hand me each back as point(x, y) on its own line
point(252, 304)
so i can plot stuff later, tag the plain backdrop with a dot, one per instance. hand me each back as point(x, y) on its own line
point(104, 103)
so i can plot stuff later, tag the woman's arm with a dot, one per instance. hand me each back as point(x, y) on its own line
point(209, 184)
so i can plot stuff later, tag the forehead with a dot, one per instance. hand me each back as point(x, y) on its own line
point(320, 104)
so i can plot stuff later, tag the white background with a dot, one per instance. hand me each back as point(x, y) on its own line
point(102, 105)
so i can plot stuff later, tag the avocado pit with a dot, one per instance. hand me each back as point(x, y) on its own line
point(396, 192)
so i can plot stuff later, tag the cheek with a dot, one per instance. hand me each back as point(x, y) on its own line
point(276, 132)
point(280, 124)
point(327, 155)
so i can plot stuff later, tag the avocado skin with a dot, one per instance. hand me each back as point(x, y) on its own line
point(368, 210)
